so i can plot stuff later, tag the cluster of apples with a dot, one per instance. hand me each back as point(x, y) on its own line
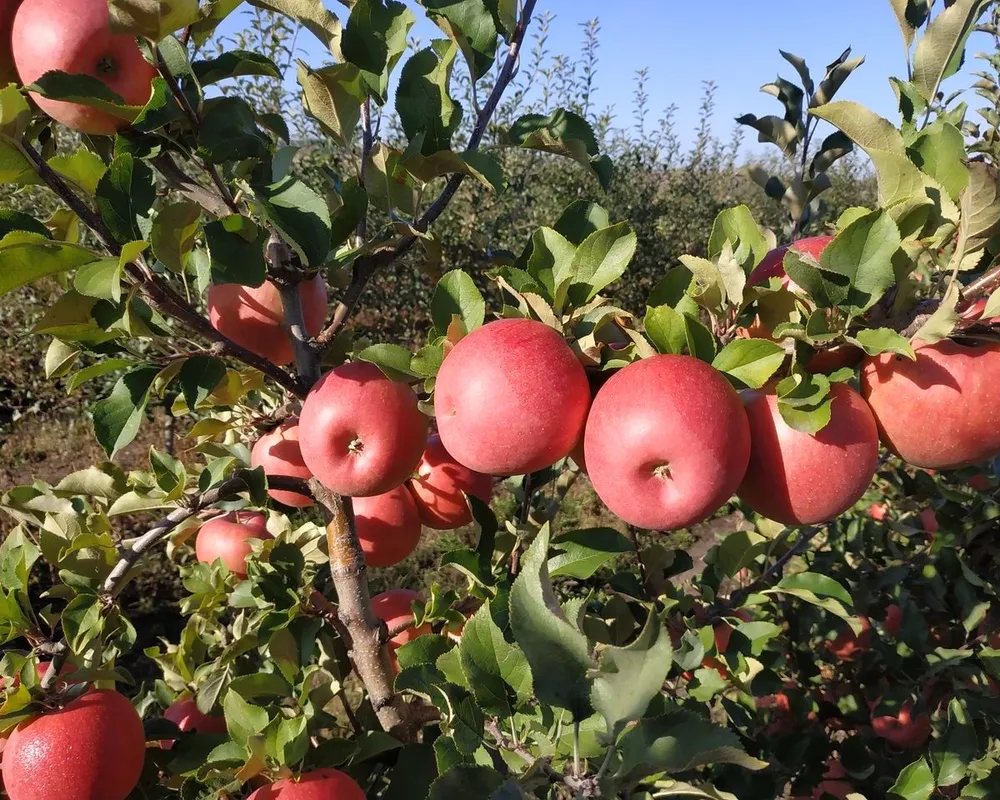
point(72, 36)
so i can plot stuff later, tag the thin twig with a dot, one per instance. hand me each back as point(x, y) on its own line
point(195, 122)
point(364, 267)
point(213, 202)
point(157, 292)
point(367, 142)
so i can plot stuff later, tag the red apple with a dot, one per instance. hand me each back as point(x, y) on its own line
point(799, 479)
point(8, 74)
point(511, 398)
point(841, 356)
point(185, 715)
point(847, 645)
point(893, 620)
point(253, 317)
point(75, 36)
point(364, 432)
point(667, 442)
point(929, 520)
point(320, 784)
point(902, 730)
point(773, 264)
point(91, 749)
point(723, 630)
point(440, 486)
point(279, 454)
point(877, 512)
point(980, 482)
point(941, 411)
point(395, 607)
point(228, 538)
point(388, 526)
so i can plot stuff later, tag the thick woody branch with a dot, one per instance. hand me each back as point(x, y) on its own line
point(354, 608)
point(279, 256)
point(158, 293)
point(983, 286)
point(364, 268)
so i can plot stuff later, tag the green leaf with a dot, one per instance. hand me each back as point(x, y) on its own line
point(456, 295)
point(915, 782)
point(390, 187)
point(199, 376)
point(83, 168)
point(825, 596)
point(86, 90)
point(427, 361)
point(117, 417)
point(862, 253)
point(910, 15)
point(422, 100)
point(566, 134)
point(237, 248)
point(883, 340)
point(243, 720)
point(472, 26)
point(819, 585)
point(173, 236)
point(229, 132)
point(980, 208)
point(737, 226)
point(937, 53)
point(151, 19)
point(600, 260)
point(414, 773)
point(312, 14)
point(375, 39)
point(666, 329)
point(234, 64)
point(467, 782)
point(25, 257)
point(301, 215)
point(557, 652)
point(392, 359)
point(11, 220)
point(942, 323)
point(751, 362)
point(59, 358)
point(679, 742)
point(630, 677)
point(82, 621)
point(475, 163)
point(951, 754)
point(773, 130)
point(96, 371)
point(836, 74)
point(490, 664)
point(939, 151)
point(100, 279)
point(292, 740)
point(344, 221)
point(333, 97)
point(125, 195)
point(583, 552)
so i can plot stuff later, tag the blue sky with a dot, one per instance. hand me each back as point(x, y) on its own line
point(733, 42)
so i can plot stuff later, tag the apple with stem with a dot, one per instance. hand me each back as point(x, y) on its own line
point(667, 442)
point(364, 431)
point(74, 36)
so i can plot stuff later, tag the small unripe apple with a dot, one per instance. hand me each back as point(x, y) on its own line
point(363, 433)
point(893, 620)
point(440, 485)
point(929, 521)
point(511, 398)
point(253, 317)
point(278, 453)
point(847, 645)
point(227, 538)
point(667, 442)
point(941, 411)
point(75, 36)
point(903, 730)
point(92, 748)
point(395, 608)
point(800, 479)
point(319, 784)
point(877, 511)
point(980, 482)
point(185, 715)
point(388, 526)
